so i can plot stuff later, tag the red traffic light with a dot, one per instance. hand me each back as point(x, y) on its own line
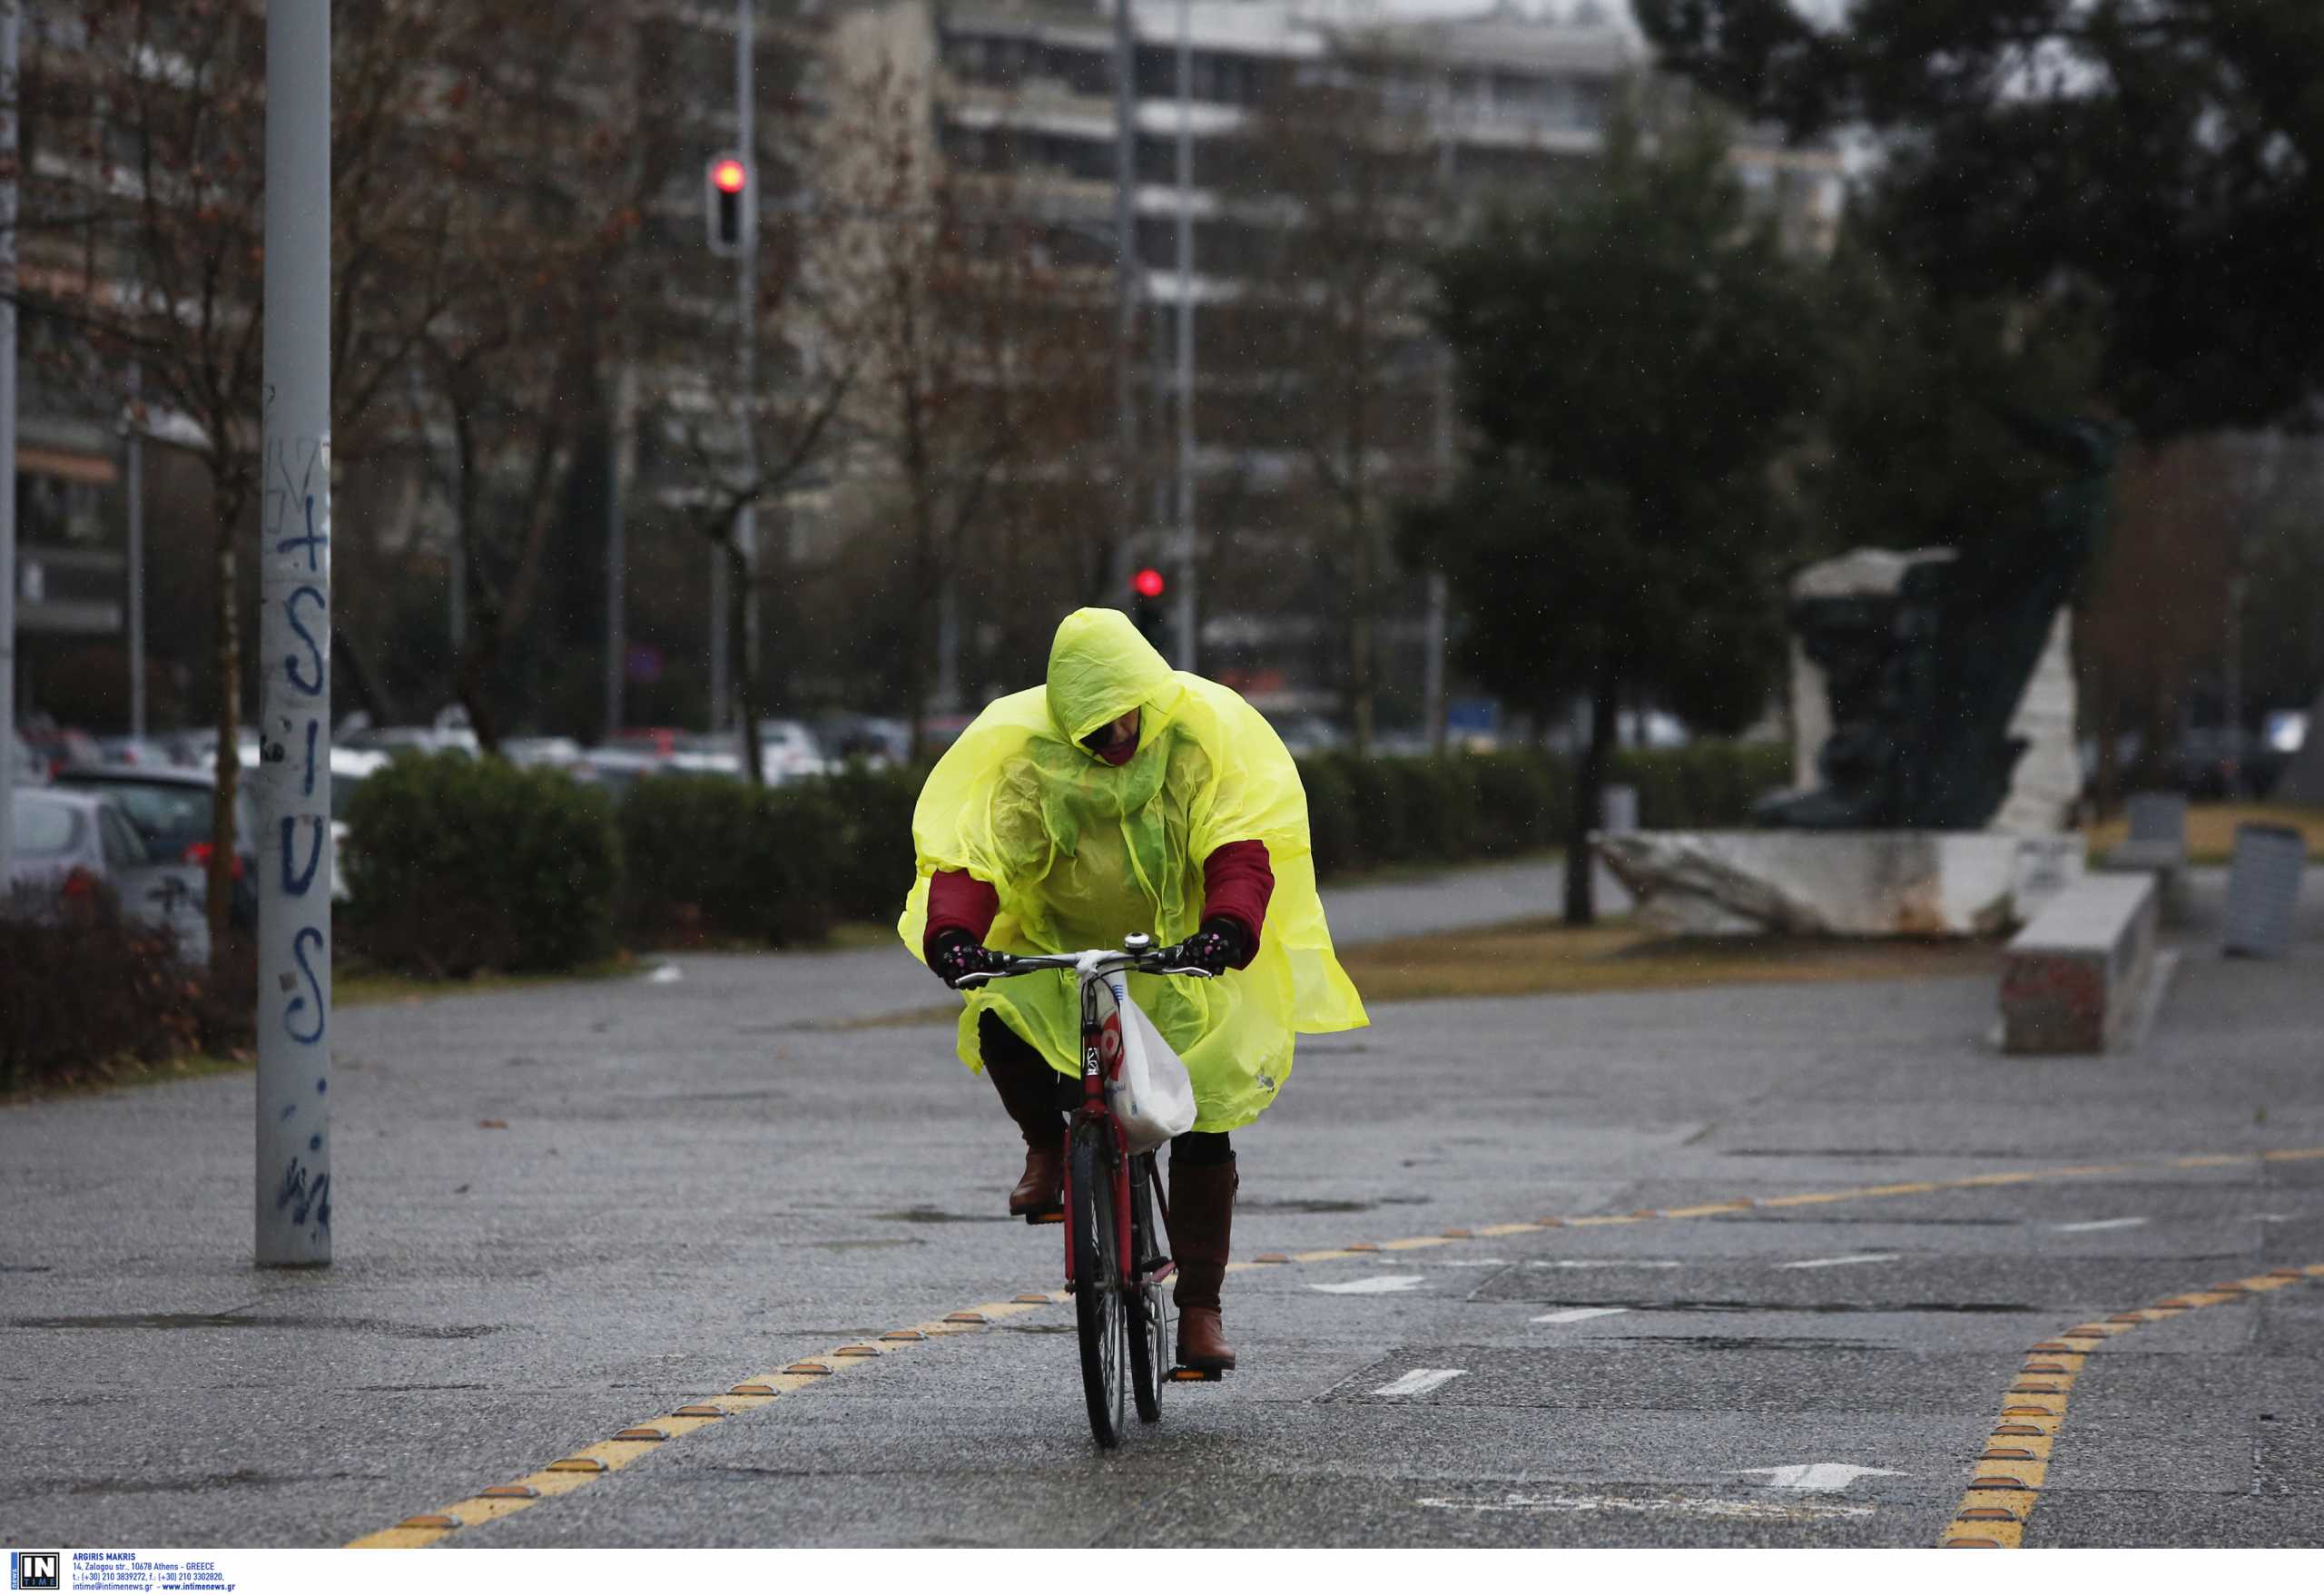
point(1148, 583)
point(728, 175)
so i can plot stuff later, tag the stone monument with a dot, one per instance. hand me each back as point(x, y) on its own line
point(1935, 688)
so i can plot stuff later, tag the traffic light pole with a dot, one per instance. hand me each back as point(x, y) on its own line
point(746, 359)
point(1126, 273)
point(8, 28)
point(1186, 505)
point(293, 781)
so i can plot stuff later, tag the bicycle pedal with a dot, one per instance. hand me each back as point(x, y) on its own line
point(1055, 1215)
point(1196, 1375)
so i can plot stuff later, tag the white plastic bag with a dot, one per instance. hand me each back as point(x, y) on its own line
point(1147, 1084)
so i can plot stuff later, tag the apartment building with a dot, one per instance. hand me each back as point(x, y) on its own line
point(1497, 101)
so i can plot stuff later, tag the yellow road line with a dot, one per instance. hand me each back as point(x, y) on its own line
point(745, 1395)
point(2006, 1480)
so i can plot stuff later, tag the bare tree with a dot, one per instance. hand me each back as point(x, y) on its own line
point(1334, 183)
point(979, 359)
point(141, 235)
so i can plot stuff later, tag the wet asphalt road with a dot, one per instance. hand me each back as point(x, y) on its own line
point(705, 1178)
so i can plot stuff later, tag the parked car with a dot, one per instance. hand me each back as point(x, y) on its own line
point(1308, 734)
point(25, 767)
point(55, 747)
point(617, 769)
point(172, 811)
point(788, 752)
point(560, 752)
point(413, 739)
point(877, 742)
point(68, 843)
point(142, 752)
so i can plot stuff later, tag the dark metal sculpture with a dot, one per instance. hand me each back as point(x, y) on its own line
point(1923, 684)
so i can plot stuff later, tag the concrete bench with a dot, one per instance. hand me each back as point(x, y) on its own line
point(2157, 846)
point(2073, 980)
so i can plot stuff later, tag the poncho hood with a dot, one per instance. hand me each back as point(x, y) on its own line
point(1100, 669)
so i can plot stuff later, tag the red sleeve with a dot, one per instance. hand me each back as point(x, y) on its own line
point(1236, 883)
point(957, 901)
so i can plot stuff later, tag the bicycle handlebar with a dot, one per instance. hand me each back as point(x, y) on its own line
point(1096, 960)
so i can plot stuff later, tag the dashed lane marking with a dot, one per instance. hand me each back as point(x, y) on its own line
point(640, 1440)
point(1819, 1478)
point(2005, 1482)
point(1578, 1314)
point(1675, 1506)
point(2093, 1225)
point(1377, 1284)
point(1848, 1262)
point(1421, 1381)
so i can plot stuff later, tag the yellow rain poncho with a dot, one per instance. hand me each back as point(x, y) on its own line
point(1082, 853)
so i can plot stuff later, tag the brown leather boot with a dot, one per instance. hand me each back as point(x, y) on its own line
point(1028, 1091)
point(1202, 1223)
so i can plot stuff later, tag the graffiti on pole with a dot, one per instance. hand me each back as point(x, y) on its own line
point(294, 803)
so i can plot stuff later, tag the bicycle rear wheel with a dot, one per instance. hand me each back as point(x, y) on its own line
point(1097, 1284)
point(1149, 1358)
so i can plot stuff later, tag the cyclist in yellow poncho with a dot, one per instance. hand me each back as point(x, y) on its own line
point(1127, 797)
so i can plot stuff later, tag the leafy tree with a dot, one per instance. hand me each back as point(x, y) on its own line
point(1631, 362)
point(1911, 452)
point(2165, 155)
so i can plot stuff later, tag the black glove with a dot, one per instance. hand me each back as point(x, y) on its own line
point(958, 953)
point(1217, 947)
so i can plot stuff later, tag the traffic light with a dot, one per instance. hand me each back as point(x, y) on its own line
point(728, 211)
point(1145, 607)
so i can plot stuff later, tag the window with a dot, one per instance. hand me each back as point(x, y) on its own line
point(44, 829)
point(123, 848)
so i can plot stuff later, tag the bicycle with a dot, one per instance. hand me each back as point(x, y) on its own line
point(1110, 1197)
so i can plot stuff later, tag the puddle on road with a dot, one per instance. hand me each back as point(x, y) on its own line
point(1323, 1204)
point(937, 1216)
point(260, 1321)
point(1819, 1309)
point(1736, 1343)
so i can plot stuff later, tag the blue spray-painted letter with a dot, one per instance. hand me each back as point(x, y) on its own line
point(295, 882)
point(299, 944)
point(312, 688)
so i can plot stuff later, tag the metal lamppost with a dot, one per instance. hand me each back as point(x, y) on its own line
point(293, 779)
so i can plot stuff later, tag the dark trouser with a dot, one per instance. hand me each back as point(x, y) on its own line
point(1036, 1096)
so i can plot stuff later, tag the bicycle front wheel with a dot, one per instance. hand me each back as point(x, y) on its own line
point(1096, 1284)
point(1149, 1355)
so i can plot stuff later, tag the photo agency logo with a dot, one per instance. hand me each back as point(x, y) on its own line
point(36, 1569)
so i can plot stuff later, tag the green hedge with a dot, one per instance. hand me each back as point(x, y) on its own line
point(1369, 814)
point(456, 864)
point(1705, 786)
point(710, 858)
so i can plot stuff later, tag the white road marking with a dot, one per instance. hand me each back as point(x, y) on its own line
point(1820, 1477)
point(1843, 1262)
point(1763, 1511)
point(1420, 1380)
point(2098, 1223)
point(1377, 1284)
point(665, 975)
point(1608, 1263)
point(1575, 1315)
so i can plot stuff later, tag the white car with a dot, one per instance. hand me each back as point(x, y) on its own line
point(68, 843)
point(788, 752)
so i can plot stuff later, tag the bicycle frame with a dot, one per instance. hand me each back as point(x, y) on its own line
point(1101, 1052)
